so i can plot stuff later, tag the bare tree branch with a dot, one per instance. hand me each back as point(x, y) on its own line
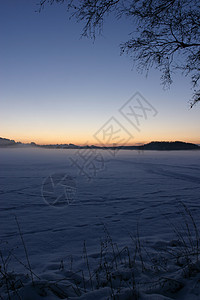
point(165, 35)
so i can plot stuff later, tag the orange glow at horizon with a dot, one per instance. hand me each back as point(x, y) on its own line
point(84, 141)
point(83, 134)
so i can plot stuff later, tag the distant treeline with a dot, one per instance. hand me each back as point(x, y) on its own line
point(150, 146)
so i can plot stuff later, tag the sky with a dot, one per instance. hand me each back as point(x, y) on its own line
point(56, 87)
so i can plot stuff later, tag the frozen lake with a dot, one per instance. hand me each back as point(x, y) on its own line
point(121, 193)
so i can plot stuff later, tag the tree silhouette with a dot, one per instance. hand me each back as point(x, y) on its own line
point(166, 33)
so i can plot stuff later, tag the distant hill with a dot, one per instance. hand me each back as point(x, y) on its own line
point(169, 146)
point(11, 143)
point(6, 142)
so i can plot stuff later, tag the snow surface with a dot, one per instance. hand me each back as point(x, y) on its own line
point(138, 216)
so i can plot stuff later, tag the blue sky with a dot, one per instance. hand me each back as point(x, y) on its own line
point(59, 88)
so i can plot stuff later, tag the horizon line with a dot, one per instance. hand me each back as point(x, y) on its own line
point(114, 145)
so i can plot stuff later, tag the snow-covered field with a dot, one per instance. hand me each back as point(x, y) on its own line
point(123, 233)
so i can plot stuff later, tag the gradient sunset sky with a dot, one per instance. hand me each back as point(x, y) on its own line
point(59, 88)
